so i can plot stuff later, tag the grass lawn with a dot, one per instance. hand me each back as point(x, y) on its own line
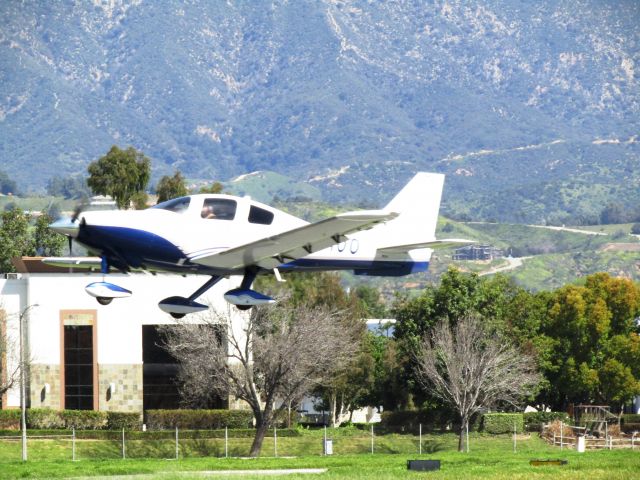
point(490, 457)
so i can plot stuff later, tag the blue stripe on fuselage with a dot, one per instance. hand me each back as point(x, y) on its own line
point(140, 247)
point(381, 268)
point(136, 246)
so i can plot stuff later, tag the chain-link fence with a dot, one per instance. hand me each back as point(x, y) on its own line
point(172, 444)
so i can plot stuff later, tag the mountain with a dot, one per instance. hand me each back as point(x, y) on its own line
point(530, 108)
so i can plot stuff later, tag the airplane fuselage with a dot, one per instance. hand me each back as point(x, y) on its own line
point(175, 235)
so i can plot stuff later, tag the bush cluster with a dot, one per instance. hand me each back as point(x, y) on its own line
point(431, 420)
point(631, 418)
point(126, 420)
point(502, 422)
point(49, 419)
point(198, 419)
point(533, 421)
point(9, 419)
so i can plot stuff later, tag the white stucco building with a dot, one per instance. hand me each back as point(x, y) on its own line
point(85, 355)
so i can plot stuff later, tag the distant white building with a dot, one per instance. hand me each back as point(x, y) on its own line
point(87, 356)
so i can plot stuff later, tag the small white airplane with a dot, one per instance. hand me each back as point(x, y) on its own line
point(222, 235)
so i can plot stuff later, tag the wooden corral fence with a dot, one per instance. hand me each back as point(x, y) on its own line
point(568, 438)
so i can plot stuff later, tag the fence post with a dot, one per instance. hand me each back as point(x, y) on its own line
point(372, 438)
point(515, 439)
point(226, 442)
point(561, 434)
point(420, 440)
point(633, 437)
point(123, 447)
point(554, 439)
point(275, 441)
point(177, 444)
point(324, 440)
point(73, 444)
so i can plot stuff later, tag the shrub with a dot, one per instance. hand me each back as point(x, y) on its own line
point(198, 419)
point(631, 418)
point(44, 419)
point(84, 419)
point(533, 421)
point(282, 421)
point(496, 423)
point(433, 419)
point(126, 420)
point(10, 419)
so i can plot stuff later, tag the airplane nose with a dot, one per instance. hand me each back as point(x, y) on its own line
point(66, 226)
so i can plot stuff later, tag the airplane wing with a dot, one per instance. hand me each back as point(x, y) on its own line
point(435, 245)
point(74, 262)
point(273, 251)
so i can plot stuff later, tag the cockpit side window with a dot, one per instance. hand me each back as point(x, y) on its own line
point(219, 208)
point(177, 205)
point(260, 215)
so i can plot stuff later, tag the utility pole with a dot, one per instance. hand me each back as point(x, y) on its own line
point(23, 394)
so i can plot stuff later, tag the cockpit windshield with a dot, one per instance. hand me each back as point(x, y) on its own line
point(219, 208)
point(177, 205)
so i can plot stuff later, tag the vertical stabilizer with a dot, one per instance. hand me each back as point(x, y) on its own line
point(417, 204)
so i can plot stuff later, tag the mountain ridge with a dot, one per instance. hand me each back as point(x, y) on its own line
point(372, 92)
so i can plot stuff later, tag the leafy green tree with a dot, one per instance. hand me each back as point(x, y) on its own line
point(47, 242)
point(595, 350)
point(120, 173)
point(74, 187)
point(215, 187)
point(15, 240)
point(371, 302)
point(171, 187)
point(507, 308)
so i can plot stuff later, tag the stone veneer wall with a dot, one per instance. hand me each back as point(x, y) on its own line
point(128, 392)
point(40, 374)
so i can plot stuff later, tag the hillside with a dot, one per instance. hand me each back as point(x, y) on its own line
point(530, 108)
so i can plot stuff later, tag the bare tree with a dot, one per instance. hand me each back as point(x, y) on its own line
point(471, 368)
point(270, 362)
point(9, 359)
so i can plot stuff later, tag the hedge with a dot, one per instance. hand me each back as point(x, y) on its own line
point(533, 421)
point(631, 418)
point(10, 419)
point(431, 420)
point(84, 419)
point(49, 419)
point(126, 420)
point(502, 422)
point(116, 435)
point(44, 419)
point(198, 419)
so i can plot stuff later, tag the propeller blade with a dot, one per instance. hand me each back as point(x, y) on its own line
point(76, 213)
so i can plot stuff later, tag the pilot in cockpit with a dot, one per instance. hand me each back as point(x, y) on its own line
point(208, 212)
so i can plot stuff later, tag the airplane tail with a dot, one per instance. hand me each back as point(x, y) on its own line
point(417, 204)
